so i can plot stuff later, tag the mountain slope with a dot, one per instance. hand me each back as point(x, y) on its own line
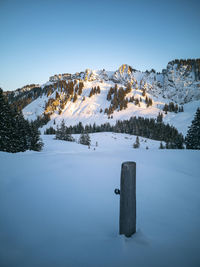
point(98, 96)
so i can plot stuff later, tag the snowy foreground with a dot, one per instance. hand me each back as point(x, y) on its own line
point(58, 207)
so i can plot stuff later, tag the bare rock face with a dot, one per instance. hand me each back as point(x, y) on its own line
point(123, 74)
point(181, 81)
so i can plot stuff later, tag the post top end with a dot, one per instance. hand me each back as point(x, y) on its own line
point(129, 163)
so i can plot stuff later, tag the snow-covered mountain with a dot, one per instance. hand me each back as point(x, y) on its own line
point(98, 96)
point(179, 82)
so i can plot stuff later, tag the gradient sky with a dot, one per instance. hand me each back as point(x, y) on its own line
point(42, 38)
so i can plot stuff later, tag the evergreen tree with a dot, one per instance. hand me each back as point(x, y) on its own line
point(192, 139)
point(137, 143)
point(143, 92)
point(60, 133)
point(161, 146)
point(36, 143)
point(63, 133)
point(68, 136)
point(178, 142)
point(85, 139)
point(75, 98)
point(159, 117)
point(166, 108)
point(80, 128)
point(16, 133)
point(22, 132)
point(6, 125)
point(82, 139)
point(50, 130)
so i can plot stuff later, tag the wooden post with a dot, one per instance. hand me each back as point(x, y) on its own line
point(127, 223)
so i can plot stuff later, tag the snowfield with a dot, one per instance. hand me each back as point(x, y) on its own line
point(58, 207)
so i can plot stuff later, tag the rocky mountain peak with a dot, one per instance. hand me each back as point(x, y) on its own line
point(124, 68)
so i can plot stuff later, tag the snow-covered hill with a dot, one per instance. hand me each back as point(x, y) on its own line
point(61, 99)
point(58, 206)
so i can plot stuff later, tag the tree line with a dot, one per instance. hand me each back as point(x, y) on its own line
point(63, 133)
point(172, 108)
point(149, 128)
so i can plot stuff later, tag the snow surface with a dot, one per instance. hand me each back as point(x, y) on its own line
point(35, 108)
point(58, 207)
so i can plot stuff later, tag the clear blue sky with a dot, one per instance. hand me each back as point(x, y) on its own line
point(42, 38)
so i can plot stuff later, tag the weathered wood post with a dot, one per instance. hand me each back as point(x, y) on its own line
point(127, 219)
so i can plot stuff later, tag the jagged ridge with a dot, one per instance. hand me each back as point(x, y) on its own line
point(73, 96)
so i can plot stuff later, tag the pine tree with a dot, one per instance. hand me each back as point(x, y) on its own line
point(36, 143)
point(68, 136)
point(63, 133)
point(75, 98)
point(50, 130)
point(16, 133)
point(85, 139)
point(60, 133)
point(178, 142)
point(192, 139)
point(159, 117)
point(80, 128)
point(166, 108)
point(161, 146)
point(143, 92)
point(137, 143)
point(21, 133)
point(82, 139)
point(6, 125)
